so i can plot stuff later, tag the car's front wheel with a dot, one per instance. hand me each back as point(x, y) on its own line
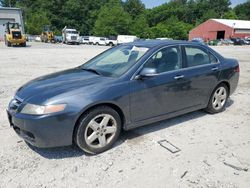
point(218, 99)
point(98, 129)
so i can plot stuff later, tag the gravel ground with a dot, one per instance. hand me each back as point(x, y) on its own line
point(207, 142)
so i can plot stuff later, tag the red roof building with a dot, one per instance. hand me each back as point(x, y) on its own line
point(221, 29)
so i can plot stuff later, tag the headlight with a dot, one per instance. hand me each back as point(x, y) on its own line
point(33, 109)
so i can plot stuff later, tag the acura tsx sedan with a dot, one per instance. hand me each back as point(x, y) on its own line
point(125, 87)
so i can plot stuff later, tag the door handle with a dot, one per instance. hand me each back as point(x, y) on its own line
point(179, 77)
point(215, 68)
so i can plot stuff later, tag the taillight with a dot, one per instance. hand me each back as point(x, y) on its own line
point(237, 69)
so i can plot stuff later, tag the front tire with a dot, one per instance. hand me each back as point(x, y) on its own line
point(218, 99)
point(98, 130)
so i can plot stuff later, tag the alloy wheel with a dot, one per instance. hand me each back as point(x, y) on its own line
point(219, 98)
point(100, 131)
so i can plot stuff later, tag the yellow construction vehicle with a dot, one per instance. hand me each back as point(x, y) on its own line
point(13, 35)
point(47, 35)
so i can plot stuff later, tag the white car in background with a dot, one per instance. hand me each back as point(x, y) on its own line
point(38, 39)
point(164, 38)
point(84, 40)
point(111, 41)
point(126, 38)
point(97, 40)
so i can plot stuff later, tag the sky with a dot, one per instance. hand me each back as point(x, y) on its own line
point(154, 3)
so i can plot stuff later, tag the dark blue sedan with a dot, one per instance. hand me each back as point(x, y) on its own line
point(127, 86)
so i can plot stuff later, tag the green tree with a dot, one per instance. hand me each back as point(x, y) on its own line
point(36, 22)
point(208, 15)
point(112, 20)
point(243, 11)
point(219, 6)
point(140, 27)
point(80, 14)
point(230, 15)
point(171, 28)
point(8, 3)
point(134, 7)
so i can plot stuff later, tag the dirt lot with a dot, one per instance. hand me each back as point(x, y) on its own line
point(207, 142)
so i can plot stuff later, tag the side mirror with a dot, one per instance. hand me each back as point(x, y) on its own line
point(146, 73)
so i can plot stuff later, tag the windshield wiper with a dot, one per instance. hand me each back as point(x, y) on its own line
point(91, 70)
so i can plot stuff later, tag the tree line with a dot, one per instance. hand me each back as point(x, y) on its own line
point(172, 19)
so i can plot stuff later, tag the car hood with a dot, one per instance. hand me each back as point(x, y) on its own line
point(63, 83)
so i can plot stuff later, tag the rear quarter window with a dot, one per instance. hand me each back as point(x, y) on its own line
point(213, 59)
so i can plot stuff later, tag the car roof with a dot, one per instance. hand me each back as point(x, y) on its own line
point(154, 43)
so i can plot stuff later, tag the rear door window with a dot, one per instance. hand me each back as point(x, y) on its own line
point(196, 56)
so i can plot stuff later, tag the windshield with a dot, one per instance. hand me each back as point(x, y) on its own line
point(14, 25)
point(73, 32)
point(116, 61)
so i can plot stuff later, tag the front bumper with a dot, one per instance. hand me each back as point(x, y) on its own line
point(73, 41)
point(43, 131)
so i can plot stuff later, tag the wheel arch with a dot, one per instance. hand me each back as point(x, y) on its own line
point(221, 82)
point(226, 83)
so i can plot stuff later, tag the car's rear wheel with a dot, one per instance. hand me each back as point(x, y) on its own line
point(98, 129)
point(218, 99)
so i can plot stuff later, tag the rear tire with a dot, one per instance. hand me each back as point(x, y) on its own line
point(8, 44)
point(98, 129)
point(218, 99)
point(24, 44)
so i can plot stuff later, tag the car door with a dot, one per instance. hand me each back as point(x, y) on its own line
point(162, 94)
point(202, 70)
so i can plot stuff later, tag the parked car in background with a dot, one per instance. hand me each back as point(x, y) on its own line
point(164, 38)
point(121, 39)
point(58, 39)
point(38, 39)
point(97, 40)
point(91, 39)
point(111, 41)
point(198, 40)
point(84, 40)
point(226, 42)
point(70, 36)
point(238, 41)
point(246, 42)
point(30, 38)
point(125, 87)
point(248, 39)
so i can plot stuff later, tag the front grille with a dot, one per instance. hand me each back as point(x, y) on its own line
point(15, 104)
point(16, 35)
point(73, 37)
